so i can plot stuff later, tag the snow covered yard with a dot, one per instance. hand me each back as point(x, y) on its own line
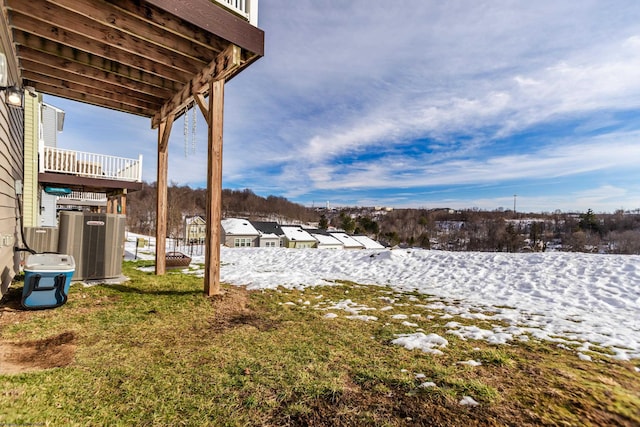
point(586, 302)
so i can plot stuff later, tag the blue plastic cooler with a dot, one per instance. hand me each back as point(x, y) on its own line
point(47, 278)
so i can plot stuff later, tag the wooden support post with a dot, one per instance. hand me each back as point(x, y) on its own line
point(123, 202)
point(109, 205)
point(215, 116)
point(164, 130)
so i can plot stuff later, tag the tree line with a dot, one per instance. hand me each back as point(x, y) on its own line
point(476, 230)
point(457, 230)
point(183, 201)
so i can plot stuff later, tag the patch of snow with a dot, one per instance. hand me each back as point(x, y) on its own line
point(411, 325)
point(470, 363)
point(584, 357)
point(475, 333)
point(350, 307)
point(469, 401)
point(427, 343)
point(399, 316)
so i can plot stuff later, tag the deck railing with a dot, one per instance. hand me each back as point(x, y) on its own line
point(82, 196)
point(92, 165)
point(248, 9)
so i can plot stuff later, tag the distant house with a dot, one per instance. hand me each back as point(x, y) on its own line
point(238, 233)
point(195, 229)
point(296, 237)
point(326, 241)
point(347, 241)
point(270, 234)
point(367, 242)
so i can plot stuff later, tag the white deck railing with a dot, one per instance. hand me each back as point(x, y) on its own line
point(92, 165)
point(81, 196)
point(248, 9)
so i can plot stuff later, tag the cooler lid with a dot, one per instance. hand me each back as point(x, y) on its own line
point(44, 262)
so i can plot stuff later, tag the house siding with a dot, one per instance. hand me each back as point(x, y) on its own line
point(195, 229)
point(300, 244)
point(11, 169)
point(50, 125)
point(31, 137)
point(230, 240)
point(268, 242)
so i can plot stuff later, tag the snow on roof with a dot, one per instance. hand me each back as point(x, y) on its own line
point(194, 219)
point(347, 241)
point(238, 226)
point(297, 234)
point(324, 239)
point(367, 242)
point(268, 235)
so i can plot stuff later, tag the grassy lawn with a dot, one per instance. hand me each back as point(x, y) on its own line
point(154, 351)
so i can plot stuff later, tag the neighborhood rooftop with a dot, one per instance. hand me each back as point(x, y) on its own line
point(240, 232)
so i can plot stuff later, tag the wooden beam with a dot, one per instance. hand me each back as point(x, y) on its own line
point(123, 202)
point(164, 140)
point(166, 24)
point(104, 71)
point(128, 18)
point(214, 189)
point(63, 43)
point(83, 183)
point(204, 108)
point(73, 27)
point(89, 99)
point(225, 64)
point(133, 90)
point(123, 96)
point(164, 130)
point(216, 20)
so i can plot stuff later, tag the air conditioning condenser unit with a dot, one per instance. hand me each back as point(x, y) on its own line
point(96, 242)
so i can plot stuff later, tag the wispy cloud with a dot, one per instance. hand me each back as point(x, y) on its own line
point(615, 152)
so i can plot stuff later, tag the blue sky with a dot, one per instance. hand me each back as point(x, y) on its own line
point(425, 104)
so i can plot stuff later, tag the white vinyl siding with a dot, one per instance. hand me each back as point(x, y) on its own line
point(30, 204)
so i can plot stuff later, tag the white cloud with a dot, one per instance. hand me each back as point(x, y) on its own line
point(613, 152)
point(560, 90)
